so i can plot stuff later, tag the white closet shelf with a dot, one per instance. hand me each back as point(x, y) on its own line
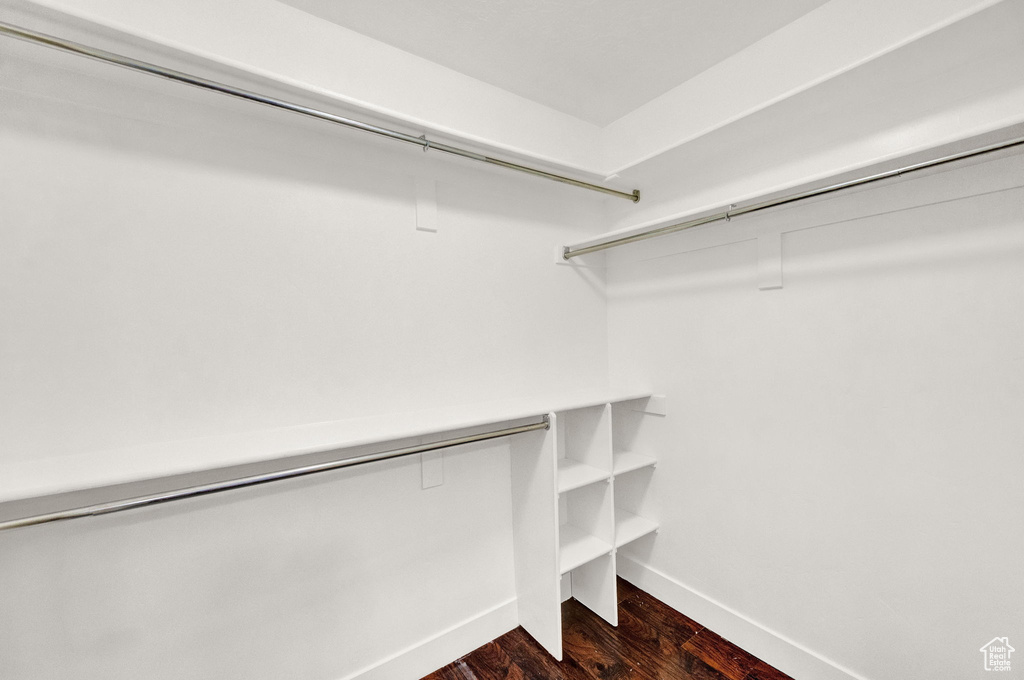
point(629, 527)
point(58, 472)
point(577, 547)
point(573, 474)
point(627, 461)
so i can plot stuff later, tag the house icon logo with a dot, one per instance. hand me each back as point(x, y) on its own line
point(997, 654)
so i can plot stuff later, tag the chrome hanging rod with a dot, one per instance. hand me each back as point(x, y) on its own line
point(214, 86)
point(253, 480)
point(568, 252)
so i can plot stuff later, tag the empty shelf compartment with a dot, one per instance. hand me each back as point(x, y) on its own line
point(573, 474)
point(627, 461)
point(577, 547)
point(629, 527)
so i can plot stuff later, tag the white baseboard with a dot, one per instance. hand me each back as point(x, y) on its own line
point(441, 649)
point(789, 657)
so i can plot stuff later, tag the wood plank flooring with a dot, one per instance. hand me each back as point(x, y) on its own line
point(652, 642)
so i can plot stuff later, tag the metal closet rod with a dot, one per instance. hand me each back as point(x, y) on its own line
point(253, 480)
point(214, 86)
point(733, 211)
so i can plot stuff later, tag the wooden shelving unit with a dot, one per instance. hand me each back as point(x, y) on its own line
point(579, 493)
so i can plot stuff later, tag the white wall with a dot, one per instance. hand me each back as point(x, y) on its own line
point(828, 41)
point(842, 462)
point(194, 266)
point(174, 266)
point(319, 578)
point(275, 46)
point(964, 80)
point(269, 40)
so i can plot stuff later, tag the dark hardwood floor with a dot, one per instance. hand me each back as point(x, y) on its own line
point(652, 642)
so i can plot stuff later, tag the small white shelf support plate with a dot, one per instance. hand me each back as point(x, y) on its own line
point(769, 261)
point(426, 204)
point(432, 468)
point(654, 405)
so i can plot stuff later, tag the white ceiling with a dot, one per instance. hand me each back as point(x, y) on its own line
point(593, 59)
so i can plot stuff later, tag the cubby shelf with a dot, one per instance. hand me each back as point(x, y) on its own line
point(629, 527)
point(577, 547)
point(579, 491)
point(573, 474)
point(627, 461)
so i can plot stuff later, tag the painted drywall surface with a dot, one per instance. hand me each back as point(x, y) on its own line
point(342, 68)
point(966, 79)
point(273, 40)
point(175, 265)
point(312, 578)
point(180, 269)
point(841, 464)
point(597, 61)
point(820, 45)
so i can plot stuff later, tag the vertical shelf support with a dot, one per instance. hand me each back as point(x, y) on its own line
point(535, 535)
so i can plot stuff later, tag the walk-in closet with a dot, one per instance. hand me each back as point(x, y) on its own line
point(389, 340)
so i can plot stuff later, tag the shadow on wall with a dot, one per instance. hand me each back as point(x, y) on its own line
point(856, 235)
point(53, 95)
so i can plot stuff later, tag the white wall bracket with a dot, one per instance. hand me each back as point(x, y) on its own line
point(769, 261)
point(426, 204)
point(432, 468)
point(655, 405)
